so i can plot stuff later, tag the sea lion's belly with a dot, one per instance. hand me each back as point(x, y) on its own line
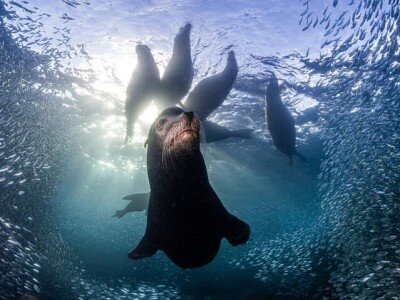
point(186, 229)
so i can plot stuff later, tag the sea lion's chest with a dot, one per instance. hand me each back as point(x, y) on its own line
point(179, 213)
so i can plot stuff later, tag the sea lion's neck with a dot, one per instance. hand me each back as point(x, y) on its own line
point(186, 170)
point(182, 50)
point(273, 99)
point(145, 61)
point(231, 70)
point(231, 67)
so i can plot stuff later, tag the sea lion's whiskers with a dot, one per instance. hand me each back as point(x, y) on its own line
point(164, 160)
point(168, 144)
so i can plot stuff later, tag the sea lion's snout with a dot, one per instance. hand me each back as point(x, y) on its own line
point(142, 50)
point(189, 115)
point(186, 28)
point(190, 127)
point(184, 32)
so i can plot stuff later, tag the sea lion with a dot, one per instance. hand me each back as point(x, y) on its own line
point(214, 132)
point(138, 202)
point(186, 219)
point(210, 92)
point(142, 86)
point(178, 75)
point(280, 122)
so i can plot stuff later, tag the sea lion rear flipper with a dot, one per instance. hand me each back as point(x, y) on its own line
point(237, 232)
point(143, 250)
point(301, 156)
point(119, 213)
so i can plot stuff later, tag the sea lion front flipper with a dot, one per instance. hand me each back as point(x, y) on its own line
point(237, 232)
point(139, 196)
point(244, 133)
point(138, 202)
point(143, 250)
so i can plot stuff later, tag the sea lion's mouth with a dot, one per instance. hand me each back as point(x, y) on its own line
point(189, 132)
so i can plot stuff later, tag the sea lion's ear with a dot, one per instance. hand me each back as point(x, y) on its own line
point(146, 142)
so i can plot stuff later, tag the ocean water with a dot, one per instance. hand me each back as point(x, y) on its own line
point(327, 229)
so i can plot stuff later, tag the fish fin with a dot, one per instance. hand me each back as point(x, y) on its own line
point(301, 156)
point(143, 250)
point(146, 143)
point(135, 197)
point(237, 232)
point(245, 133)
point(119, 214)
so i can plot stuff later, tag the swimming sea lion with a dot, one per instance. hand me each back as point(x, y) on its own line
point(138, 202)
point(178, 75)
point(142, 86)
point(186, 219)
point(214, 132)
point(210, 92)
point(280, 122)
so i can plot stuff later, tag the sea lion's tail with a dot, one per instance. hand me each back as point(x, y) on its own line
point(245, 133)
point(301, 156)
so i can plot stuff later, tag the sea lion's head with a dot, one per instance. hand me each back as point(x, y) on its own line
point(143, 52)
point(175, 133)
point(231, 57)
point(273, 90)
point(232, 62)
point(183, 35)
point(185, 29)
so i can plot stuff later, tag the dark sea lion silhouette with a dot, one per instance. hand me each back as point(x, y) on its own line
point(142, 86)
point(214, 132)
point(178, 75)
point(280, 122)
point(210, 92)
point(137, 202)
point(186, 219)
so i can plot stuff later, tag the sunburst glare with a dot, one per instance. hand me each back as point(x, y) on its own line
point(149, 115)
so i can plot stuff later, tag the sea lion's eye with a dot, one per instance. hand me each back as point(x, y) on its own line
point(161, 122)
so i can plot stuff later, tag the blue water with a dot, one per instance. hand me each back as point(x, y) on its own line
point(327, 228)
